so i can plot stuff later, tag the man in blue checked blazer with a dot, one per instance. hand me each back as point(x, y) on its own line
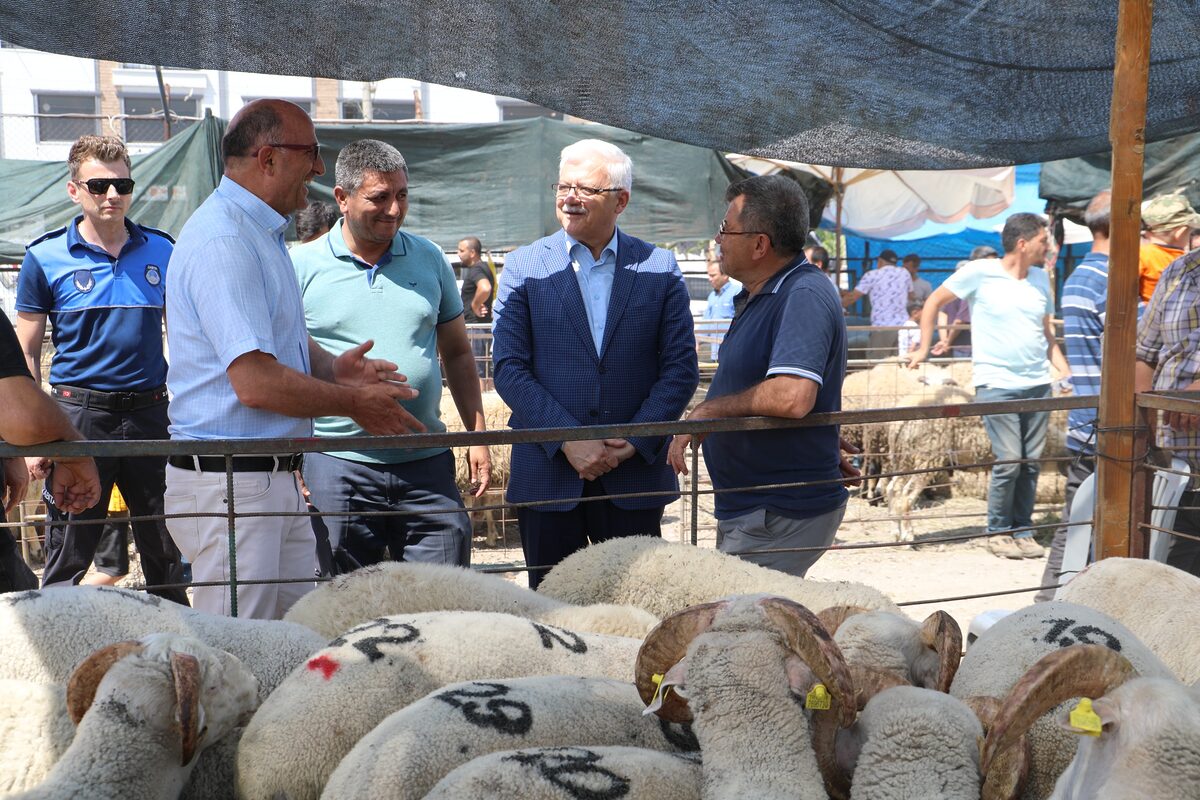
point(591, 327)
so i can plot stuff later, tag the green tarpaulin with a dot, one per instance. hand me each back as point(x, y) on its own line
point(491, 181)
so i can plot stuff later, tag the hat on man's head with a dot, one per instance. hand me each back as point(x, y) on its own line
point(888, 256)
point(1169, 211)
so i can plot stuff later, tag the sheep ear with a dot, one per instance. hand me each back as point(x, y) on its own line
point(185, 669)
point(81, 686)
point(800, 676)
point(941, 634)
point(1102, 707)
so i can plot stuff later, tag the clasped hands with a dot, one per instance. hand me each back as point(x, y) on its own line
point(591, 458)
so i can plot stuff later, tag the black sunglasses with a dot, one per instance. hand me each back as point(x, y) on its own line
point(101, 185)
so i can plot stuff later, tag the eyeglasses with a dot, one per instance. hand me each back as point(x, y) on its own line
point(313, 150)
point(101, 185)
point(564, 189)
point(723, 233)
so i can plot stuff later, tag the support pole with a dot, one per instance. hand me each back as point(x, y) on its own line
point(1116, 469)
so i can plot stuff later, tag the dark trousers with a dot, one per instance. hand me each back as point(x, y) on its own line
point(70, 547)
point(547, 537)
point(1185, 553)
point(1077, 472)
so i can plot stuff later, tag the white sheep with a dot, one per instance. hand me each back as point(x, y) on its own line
point(925, 654)
point(574, 773)
point(664, 578)
point(1155, 601)
point(44, 634)
point(414, 748)
point(144, 711)
point(408, 588)
point(1003, 654)
point(1146, 741)
point(738, 669)
point(320, 711)
point(34, 732)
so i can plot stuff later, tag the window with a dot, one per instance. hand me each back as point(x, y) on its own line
point(526, 111)
point(381, 110)
point(151, 130)
point(65, 129)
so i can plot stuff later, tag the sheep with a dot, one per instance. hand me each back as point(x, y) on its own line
point(923, 655)
point(736, 669)
point(320, 711)
point(1006, 651)
point(406, 588)
point(411, 750)
point(573, 773)
point(663, 578)
point(496, 415)
point(34, 732)
point(1147, 741)
point(144, 710)
point(1155, 601)
point(44, 634)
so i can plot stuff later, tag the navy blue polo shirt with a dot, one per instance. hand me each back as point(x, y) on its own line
point(793, 326)
point(106, 312)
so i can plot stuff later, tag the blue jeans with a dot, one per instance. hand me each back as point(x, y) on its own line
point(1014, 486)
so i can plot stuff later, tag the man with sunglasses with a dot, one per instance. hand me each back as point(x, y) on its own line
point(244, 367)
point(591, 327)
point(101, 280)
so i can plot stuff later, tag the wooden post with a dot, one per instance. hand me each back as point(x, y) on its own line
point(1116, 510)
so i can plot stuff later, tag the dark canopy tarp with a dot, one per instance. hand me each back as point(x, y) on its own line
point(1170, 166)
point(491, 181)
point(902, 84)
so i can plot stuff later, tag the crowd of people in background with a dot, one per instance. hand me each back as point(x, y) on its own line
point(354, 330)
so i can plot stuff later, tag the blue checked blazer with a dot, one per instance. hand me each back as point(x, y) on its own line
point(547, 370)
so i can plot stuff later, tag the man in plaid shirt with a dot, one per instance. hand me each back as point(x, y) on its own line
point(1168, 358)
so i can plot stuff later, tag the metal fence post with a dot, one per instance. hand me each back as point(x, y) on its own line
point(233, 609)
point(695, 493)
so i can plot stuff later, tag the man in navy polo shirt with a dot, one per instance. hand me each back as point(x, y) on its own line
point(784, 356)
point(100, 280)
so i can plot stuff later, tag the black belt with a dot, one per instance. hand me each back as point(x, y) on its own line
point(109, 401)
point(285, 463)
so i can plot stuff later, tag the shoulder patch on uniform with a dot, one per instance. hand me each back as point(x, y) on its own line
point(48, 235)
point(164, 234)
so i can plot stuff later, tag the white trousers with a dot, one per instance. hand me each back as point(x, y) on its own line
point(267, 547)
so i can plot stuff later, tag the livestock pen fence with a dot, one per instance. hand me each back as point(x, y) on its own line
point(696, 491)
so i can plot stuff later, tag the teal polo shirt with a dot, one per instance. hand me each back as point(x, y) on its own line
point(399, 303)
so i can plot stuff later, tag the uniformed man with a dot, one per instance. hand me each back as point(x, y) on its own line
point(101, 281)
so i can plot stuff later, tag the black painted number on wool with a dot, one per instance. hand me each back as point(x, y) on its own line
point(369, 645)
point(1064, 632)
point(680, 735)
point(576, 771)
point(568, 639)
point(484, 705)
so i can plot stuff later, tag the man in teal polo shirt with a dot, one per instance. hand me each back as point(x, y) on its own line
point(367, 279)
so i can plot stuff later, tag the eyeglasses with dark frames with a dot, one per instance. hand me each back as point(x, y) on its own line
point(313, 150)
point(101, 185)
point(564, 189)
point(722, 232)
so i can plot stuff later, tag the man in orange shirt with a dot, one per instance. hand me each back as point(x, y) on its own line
point(1169, 220)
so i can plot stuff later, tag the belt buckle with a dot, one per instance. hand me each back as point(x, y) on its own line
point(123, 401)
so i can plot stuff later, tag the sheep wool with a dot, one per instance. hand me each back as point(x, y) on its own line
point(573, 773)
point(320, 711)
point(1155, 601)
point(408, 588)
point(34, 733)
point(664, 578)
point(414, 748)
point(998, 659)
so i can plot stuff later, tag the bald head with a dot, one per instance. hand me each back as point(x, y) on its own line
point(270, 149)
point(256, 124)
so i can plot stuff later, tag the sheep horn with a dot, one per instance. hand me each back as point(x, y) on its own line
point(185, 670)
point(833, 617)
point(1081, 670)
point(1009, 770)
point(870, 681)
point(81, 686)
point(941, 633)
point(664, 647)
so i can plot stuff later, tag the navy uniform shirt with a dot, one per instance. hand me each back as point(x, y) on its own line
point(793, 326)
point(106, 312)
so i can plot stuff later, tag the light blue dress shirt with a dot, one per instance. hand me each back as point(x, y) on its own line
point(595, 282)
point(232, 291)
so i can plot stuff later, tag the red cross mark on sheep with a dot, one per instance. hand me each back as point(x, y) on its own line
point(325, 664)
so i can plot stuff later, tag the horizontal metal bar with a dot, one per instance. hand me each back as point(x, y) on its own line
point(1187, 402)
point(151, 447)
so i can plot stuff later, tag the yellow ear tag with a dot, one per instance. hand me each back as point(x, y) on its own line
point(1084, 720)
point(818, 698)
point(657, 700)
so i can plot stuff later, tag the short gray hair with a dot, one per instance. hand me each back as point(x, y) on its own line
point(620, 168)
point(363, 156)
